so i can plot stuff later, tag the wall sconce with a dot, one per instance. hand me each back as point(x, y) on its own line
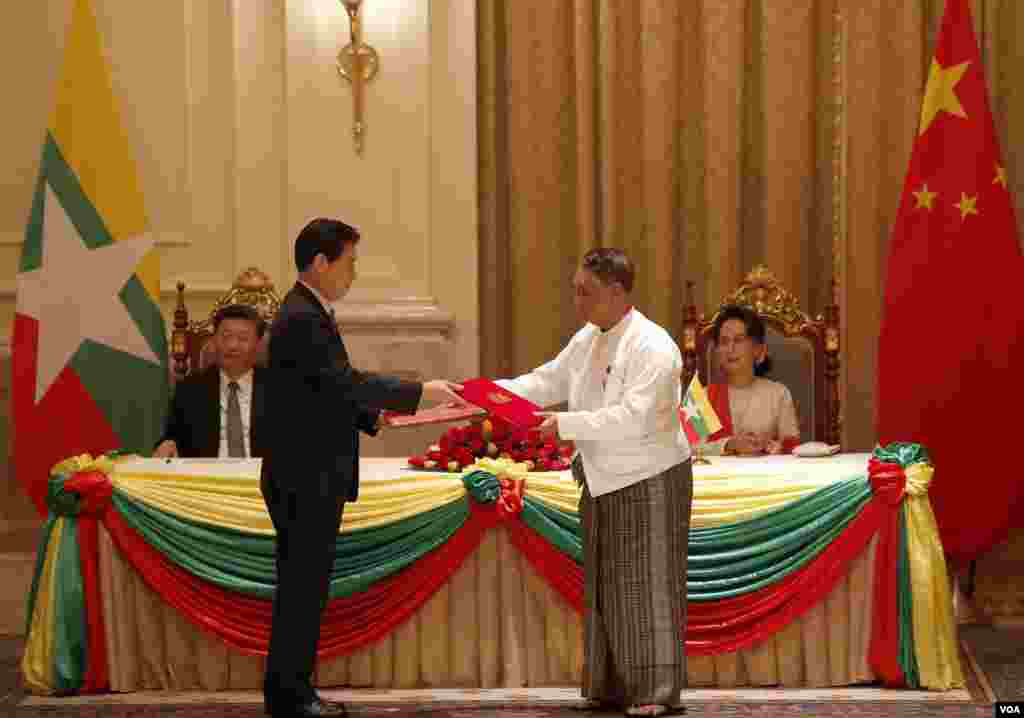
point(357, 63)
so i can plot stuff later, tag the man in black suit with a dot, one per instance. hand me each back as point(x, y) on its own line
point(218, 411)
point(316, 405)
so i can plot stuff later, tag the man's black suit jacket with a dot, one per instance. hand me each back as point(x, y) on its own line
point(316, 402)
point(193, 422)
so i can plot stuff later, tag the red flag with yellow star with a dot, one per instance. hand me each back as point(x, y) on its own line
point(951, 351)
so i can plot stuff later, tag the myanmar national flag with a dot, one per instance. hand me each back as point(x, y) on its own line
point(89, 364)
point(696, 414)
point(951, 350)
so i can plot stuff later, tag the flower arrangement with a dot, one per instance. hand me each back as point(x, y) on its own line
point(493, 437)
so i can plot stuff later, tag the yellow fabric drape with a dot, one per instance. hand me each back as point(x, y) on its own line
point(83, 462)
point(555, 490)
point(236, 503)
point(37, 663)
point(724, 492)
point(718, 498)
point(938, 660)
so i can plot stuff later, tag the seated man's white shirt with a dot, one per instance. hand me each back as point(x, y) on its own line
point(244, 403)
point(623, 416)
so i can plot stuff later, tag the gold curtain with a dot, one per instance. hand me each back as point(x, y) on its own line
point(704, 137)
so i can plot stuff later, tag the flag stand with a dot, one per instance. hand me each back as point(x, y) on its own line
point(698, 456)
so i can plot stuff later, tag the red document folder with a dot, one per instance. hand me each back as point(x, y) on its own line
point(436, 415)
point(501, 402)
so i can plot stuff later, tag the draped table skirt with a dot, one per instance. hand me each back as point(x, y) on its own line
point(496, 623)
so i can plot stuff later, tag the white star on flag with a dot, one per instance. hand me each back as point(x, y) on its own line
point(74, 295)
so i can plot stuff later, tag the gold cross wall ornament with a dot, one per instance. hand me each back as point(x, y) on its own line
point(357, 63)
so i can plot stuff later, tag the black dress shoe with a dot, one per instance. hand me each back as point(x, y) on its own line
point(332, 708)
point(315, 709)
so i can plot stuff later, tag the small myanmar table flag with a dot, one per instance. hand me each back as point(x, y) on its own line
point(696, 413)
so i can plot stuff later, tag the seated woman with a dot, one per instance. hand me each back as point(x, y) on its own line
point(757, 414)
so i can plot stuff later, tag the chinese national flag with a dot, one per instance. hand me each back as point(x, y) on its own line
point(951, 351)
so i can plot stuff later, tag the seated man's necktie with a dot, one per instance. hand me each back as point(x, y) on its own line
point(236, 442)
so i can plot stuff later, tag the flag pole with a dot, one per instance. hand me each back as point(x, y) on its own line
point(698, 455)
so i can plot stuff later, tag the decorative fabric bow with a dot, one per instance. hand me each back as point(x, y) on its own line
point(497, 481)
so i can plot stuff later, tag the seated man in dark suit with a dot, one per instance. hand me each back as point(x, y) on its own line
point(216, 412)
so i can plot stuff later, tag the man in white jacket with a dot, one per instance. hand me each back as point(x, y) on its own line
point(620, 375)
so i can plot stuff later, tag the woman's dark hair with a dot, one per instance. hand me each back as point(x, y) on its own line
point(610, 265)
point(754, 327)
point(243, 312)
point(322, 236)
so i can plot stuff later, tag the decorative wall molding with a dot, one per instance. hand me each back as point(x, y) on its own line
point(12, 238)
point(414, 315)
point(168, 287)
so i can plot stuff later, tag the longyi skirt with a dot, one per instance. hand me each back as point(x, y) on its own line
point(635, 549)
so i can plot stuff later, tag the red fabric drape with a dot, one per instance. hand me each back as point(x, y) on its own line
point(734, 623)
point(97, 675)
point(713, 627)
point(888, 482)
point(93, 489)
point(561, 572)
point(349, 623)
point(753, 618)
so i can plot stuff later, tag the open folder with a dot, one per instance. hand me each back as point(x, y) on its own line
point(486, 398)
point(436, 415)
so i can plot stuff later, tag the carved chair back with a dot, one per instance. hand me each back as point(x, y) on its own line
point(190, 348)
point(804, 351)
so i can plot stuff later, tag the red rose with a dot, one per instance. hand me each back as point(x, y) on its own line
point(500, 429)
point(416, 461)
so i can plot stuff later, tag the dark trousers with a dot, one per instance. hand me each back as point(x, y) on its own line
point(307, 527)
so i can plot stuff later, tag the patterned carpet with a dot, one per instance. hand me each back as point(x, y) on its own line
point(996, 652)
